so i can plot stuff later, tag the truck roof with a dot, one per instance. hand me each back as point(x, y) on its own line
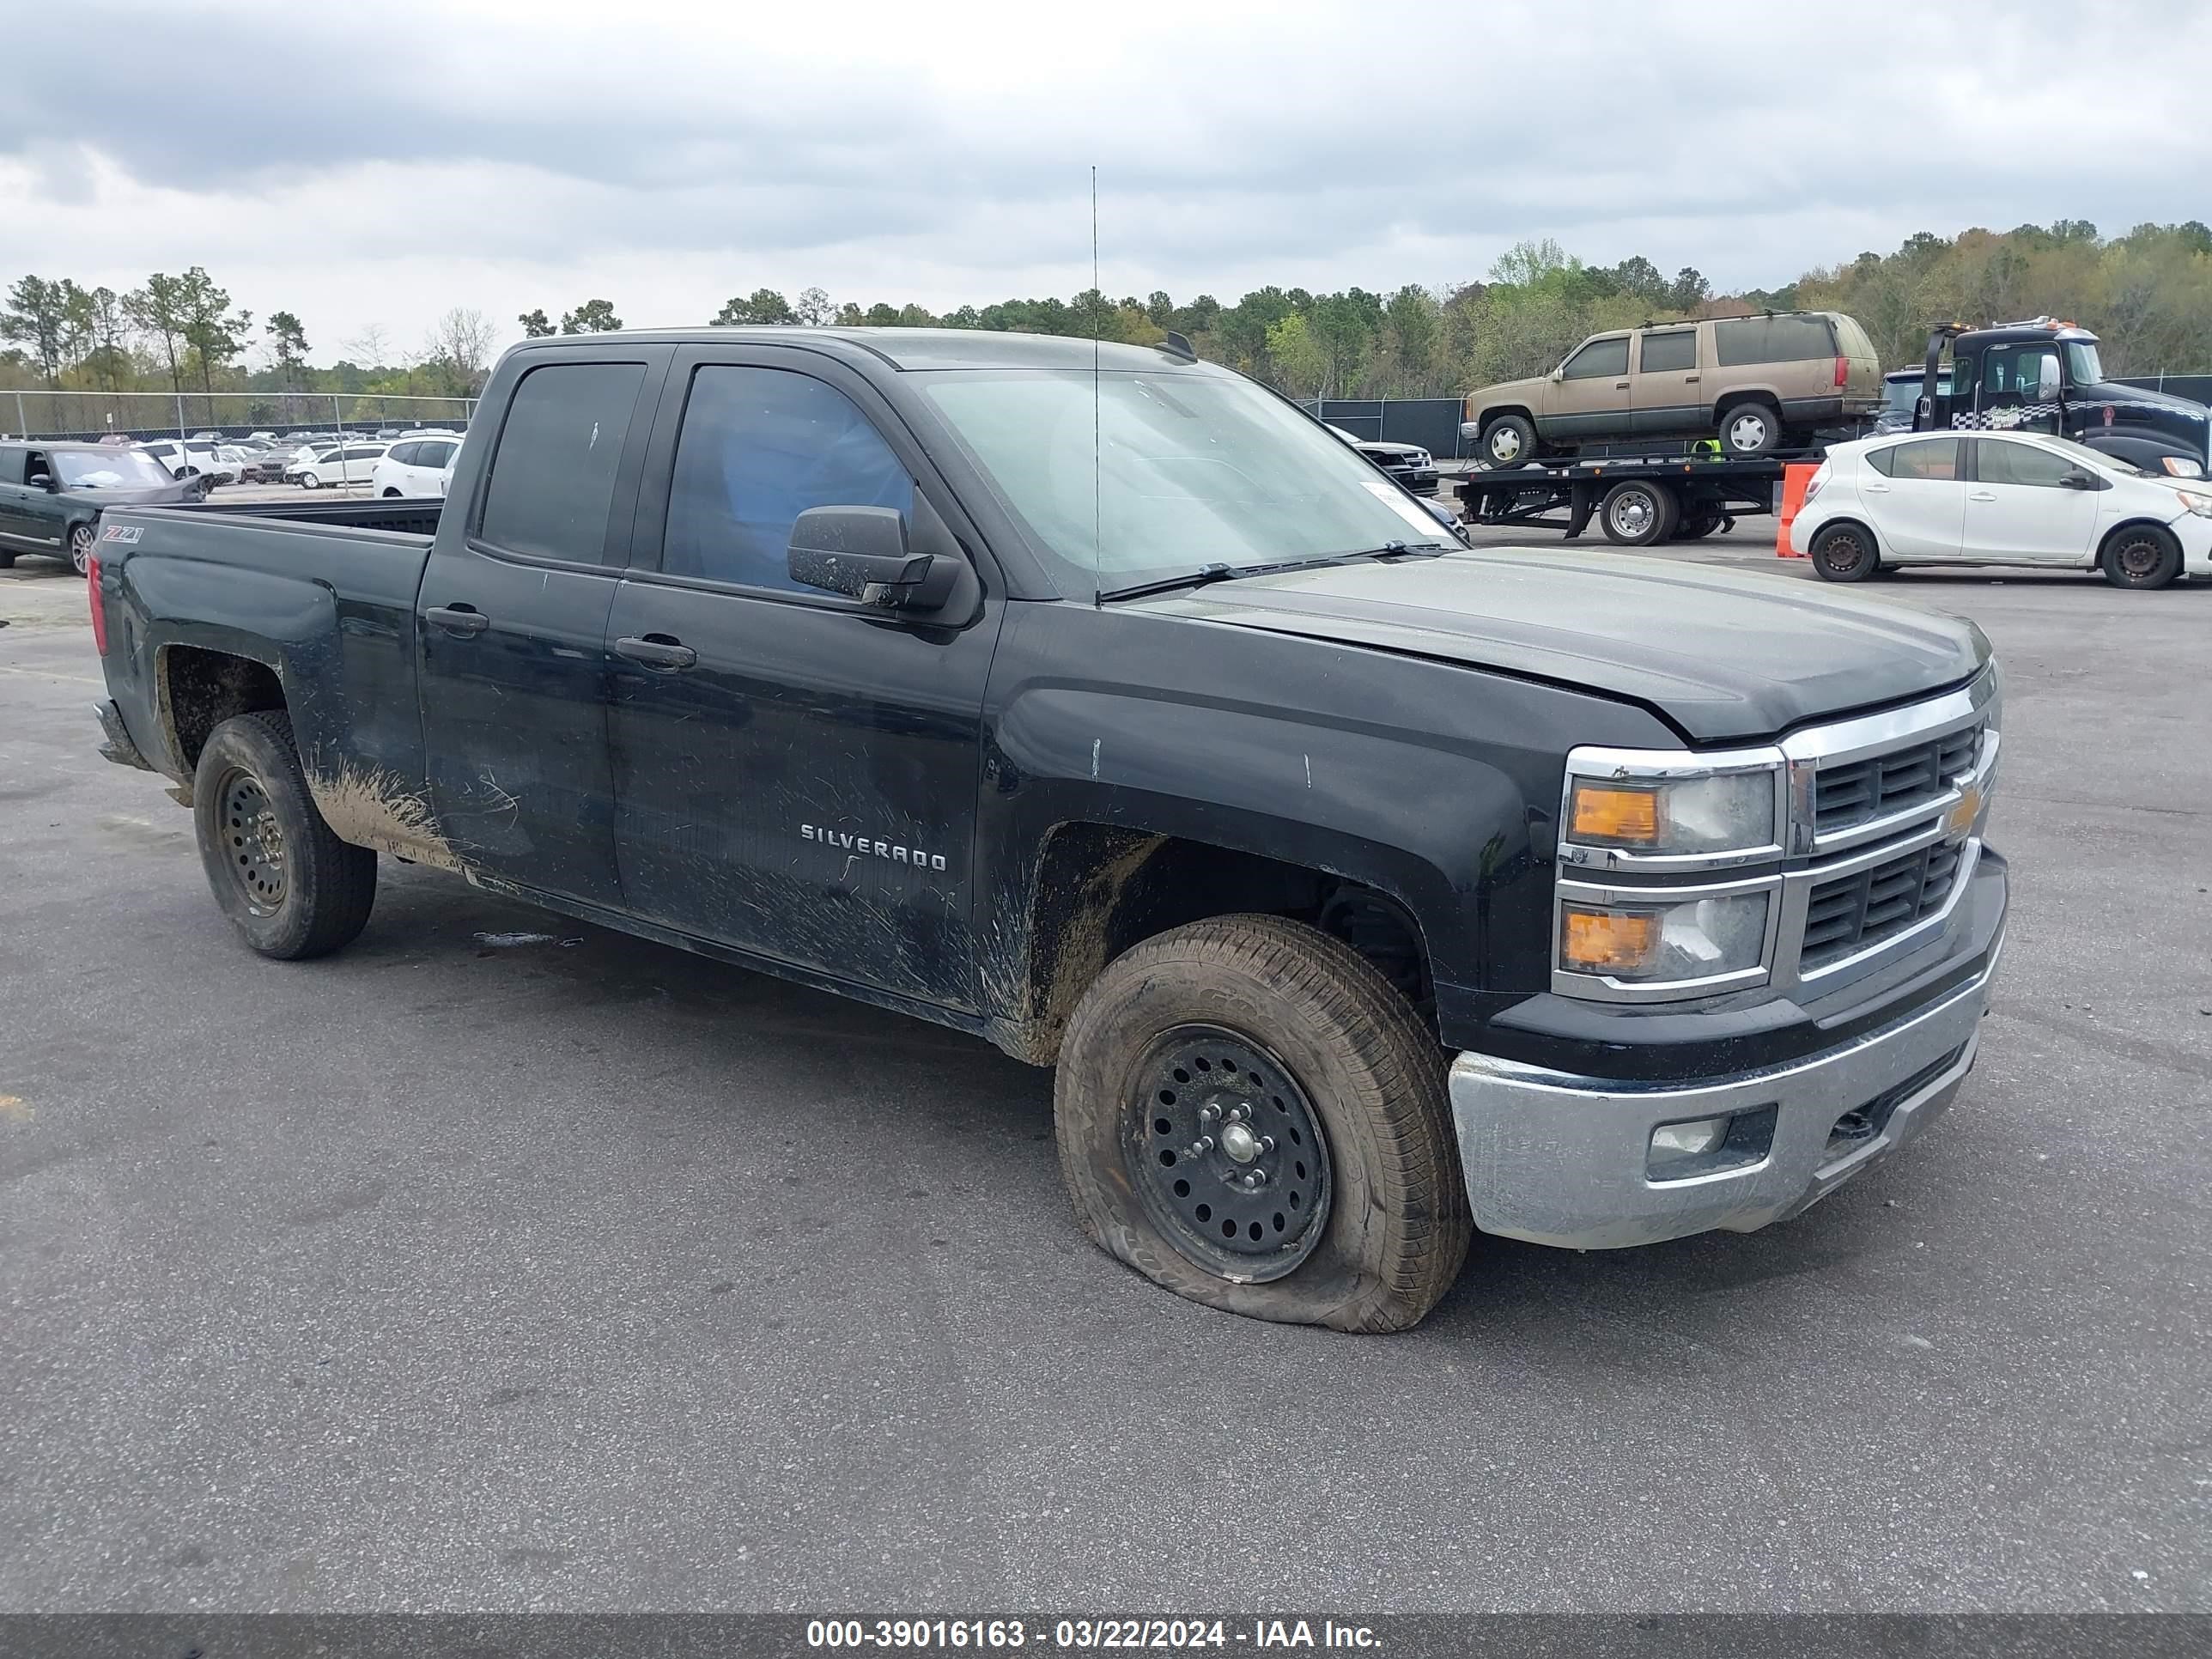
point(905, 349)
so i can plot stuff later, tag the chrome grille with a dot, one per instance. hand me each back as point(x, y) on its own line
point(1847, 913)
point(1859, 791)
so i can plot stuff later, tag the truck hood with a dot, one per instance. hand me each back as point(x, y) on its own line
point(2143, 397)
point(143, 496)
point(1722, 656)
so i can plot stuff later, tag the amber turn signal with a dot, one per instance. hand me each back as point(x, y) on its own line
point(1605, 812)
point(1597, 940)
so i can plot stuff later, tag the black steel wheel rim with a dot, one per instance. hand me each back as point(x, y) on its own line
point(1843, 552)
point(2139, 557)
point(253, 841)
point(1227, 1154)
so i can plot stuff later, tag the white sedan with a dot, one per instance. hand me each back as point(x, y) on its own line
point(416, 467)
point(2000, 498)
point(339, 463)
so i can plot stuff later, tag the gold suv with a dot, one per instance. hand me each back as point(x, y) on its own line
point(1754, 381)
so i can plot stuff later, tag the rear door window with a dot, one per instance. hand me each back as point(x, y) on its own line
point(403, 453)
point(552, 485)
point(758, 448)
point(1931, 459)
point(1671, 348)
point(1740, 340)
point(11, 465)
point(433, 454)
point(1599, 357)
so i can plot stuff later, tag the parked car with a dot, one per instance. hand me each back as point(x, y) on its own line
point(338, 464)
point(208, 437)
point(1366, 890)
point(416, 467)
point(1761, 383)
point(51, 494)
point(228, 463)
point(1409, 464)
point(2015, 498)
point(265, 463)
point(184, 460)
point(430, 432)
point(1900, 396)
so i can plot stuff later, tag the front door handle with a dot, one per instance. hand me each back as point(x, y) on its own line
point(1980, 496)
point(1689, 380)
point(1620, 386)
point(463, 619)
point(657, 651)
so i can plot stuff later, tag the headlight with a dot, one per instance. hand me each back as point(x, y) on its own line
point(2200, 505)
point(2180, 466)
point(1722, 812)
point(1645, 943)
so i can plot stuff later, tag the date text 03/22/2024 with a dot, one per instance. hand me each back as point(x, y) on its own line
point(1087, 1633)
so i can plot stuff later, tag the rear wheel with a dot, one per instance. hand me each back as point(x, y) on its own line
point(80, 549)
point(390, 493)
point(1635, 514)
point(2141, 556)
point(1697, 528)
point(1845, 553)
point(1251, 1116)
point(1508, 440)
point(291, 887)
point(1751, 430)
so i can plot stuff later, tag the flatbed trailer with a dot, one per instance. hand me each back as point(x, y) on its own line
point(1637, 498)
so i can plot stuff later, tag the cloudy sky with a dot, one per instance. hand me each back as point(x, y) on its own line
point(373, 165)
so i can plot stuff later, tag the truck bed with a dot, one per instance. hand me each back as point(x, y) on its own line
point(410, 517)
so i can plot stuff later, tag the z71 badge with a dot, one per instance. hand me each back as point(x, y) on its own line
point(123, 533)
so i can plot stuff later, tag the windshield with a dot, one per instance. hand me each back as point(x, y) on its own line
point(111, 469)
point(2082, 366)
point(1903, 396)
point(2082, 455)
point(1186, 470)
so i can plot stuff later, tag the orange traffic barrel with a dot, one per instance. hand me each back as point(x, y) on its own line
point(1796, 475)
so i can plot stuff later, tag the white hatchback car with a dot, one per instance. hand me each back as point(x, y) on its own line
point(416, 467)
point(2000, 498)
point(339, 463)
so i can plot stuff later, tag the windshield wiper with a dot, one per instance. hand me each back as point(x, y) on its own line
point(1206, 576)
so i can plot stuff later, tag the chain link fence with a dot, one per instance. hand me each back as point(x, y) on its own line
point(92, 415)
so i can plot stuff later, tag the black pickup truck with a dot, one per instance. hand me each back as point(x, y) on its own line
point(1366, 890)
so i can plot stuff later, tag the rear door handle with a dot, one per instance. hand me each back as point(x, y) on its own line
point(1875, 488)
point(1620, 386)
point(1689, 380)
point(1981, 495)
point(657, 651)
point(464, 619)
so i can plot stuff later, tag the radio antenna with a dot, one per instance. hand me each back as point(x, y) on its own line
point(1097, 461)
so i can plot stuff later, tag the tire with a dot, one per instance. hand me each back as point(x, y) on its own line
point(1845, 552)
point(302, 893)
point(7, 560)
point(391, 494)
point(2144, 556)
point(80, 544)
point(1748, 430)
point(1635, 514)
point(310, 481)
point(1517, 436)
point(1289, 1013)
point(1697, 529)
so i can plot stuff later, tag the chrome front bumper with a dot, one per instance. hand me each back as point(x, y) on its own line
point(1558, 1159)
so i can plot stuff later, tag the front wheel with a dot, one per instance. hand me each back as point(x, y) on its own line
point(291, 887)
point(80, 549)
point(1508, 440)
point(310, 481)
point(1249, 1115)
point(2141, 556)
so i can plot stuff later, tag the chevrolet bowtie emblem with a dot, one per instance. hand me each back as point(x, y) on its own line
point(1962, 818)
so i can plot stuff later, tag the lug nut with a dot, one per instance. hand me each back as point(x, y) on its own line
point(1236, 1114)
point(1266, 1143)
point(1208, 1112)
point(1203, 1144)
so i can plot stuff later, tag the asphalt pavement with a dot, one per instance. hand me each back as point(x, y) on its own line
point(567, 1271)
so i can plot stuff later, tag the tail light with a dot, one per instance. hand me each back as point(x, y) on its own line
point(99, 606)
point(1843, 370)
point(1813, 484)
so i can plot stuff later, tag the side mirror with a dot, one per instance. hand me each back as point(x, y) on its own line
point(862, 552)
point(50, 485)
point(2047, 382)
point(1560, 373)
point(2079, 481)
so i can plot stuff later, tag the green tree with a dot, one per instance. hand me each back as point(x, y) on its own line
point(764, 305)
point(1301, 364)
point(813, 309)
point(592, 317)
point(288, 343)
point(37, 315)
point(535, 324)
point(210, 328)
point(161, 312)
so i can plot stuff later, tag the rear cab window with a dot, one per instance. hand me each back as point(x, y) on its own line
point(551, 489)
